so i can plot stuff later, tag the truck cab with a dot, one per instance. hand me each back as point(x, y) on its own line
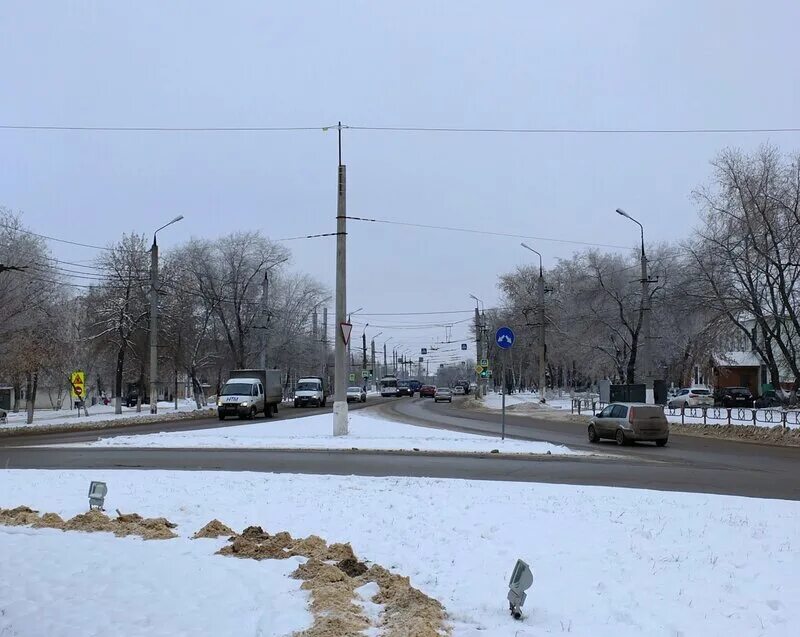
point(242, 397)
point(309, 391)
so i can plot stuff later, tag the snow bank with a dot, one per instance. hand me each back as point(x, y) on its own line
point(315, 432)
point(607, 562)
point(97, 413)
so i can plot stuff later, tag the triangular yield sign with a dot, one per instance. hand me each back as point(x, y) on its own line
point(346, 329)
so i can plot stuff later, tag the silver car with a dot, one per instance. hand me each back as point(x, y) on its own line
point(629, 422)
point(443, 394)
point(356, 394)
point(692, 397)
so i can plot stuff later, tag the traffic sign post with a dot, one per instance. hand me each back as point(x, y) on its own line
point(77, 388)
point(504, 338)
point(352, 378)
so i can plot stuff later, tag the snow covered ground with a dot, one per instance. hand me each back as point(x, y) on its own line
point(315, 432)
point(607, 562)
point(73, 583)
point(97, 413)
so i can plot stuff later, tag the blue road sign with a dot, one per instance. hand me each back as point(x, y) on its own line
point(504, 337)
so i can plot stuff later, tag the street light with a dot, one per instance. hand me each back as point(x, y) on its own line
point(645, 313)
point(472, 296)
point(480, 346)
point(154, 317)
point(265, 313)
point(620, 211)
point(542, 342)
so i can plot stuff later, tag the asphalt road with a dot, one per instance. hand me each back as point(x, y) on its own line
point(687, 464)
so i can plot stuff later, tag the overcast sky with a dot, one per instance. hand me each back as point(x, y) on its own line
point(710, 64)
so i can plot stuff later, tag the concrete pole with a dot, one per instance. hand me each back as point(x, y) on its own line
point(374, 371)
point(154, 327)
point(363, 354)
point(315, 336)
point(646, 340)
point(325, 344)
point(542, 342)
point(262, 363)
point(340, 372)
point(385, 365)
point(477, 347)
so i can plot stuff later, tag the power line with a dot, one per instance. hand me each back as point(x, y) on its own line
point(44, 236)
point(487, 232)
point(400, 129)
point(571, 131)
point(165, 129)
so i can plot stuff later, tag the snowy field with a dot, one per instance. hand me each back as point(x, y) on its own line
point(315, 432)
point(607, 562)
point(97, 413)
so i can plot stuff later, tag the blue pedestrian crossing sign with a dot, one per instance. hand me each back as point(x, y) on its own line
point(504, 338)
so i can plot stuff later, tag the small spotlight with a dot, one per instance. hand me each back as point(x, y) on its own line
point(97, 495)
point(521, 580)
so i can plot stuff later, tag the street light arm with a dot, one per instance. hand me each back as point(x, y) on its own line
point(620, 211)
point(175, 220)
point(527, 247)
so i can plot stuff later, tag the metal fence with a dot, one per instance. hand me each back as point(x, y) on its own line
point(773, 416)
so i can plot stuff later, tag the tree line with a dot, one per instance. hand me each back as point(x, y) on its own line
point(729, 285)
point(57, 316)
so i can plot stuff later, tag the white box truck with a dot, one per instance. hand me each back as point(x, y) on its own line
point(249, 392)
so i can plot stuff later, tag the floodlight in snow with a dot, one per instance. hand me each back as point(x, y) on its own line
point(97, 494)
point(521, 580)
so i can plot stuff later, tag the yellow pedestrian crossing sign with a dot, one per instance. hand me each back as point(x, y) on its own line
point(77, 382)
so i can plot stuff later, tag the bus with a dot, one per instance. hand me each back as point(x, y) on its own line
point(388, 385)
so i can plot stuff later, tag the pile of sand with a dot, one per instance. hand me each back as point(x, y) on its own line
point(214, 529)
point(19, 516)
point(92, 521)
point(332, 574)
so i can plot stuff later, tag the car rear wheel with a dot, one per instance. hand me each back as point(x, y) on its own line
point(268, 411)
point(620, 438)
point(662, 442)
point(593, 437)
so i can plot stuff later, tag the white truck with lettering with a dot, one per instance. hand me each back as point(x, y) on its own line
point(249, 392)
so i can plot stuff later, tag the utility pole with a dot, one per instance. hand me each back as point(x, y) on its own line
point(385, 366)
point(374, 374)
point(340, 379)
point(325, 344)
point(643, 353)
point(542, 330)
point(363, 352)
point(264, 320)
point(154, 318)
point(315, 337)
point(153, 327)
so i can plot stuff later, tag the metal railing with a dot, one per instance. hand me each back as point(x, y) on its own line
point(729, 415)
point(773, 416)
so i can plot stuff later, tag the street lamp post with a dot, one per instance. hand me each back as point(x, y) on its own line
point(372, 359)
point(480, 345)
point(542, 330)
point(154, 318)
point(265, 314)
point(645, 305)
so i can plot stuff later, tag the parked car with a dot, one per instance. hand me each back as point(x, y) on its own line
point(131, 398)
point(458, 390)
point(356, 394)
point(427, 391)
point(769, 398)
point(692, 397)
point(443, 394)
point(629, 422)
point(734, 397)
point(404, 388)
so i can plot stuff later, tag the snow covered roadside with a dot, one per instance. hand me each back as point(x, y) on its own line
point(65, 418)
point(315, 432)
point(72, 583)
point(607, 562)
